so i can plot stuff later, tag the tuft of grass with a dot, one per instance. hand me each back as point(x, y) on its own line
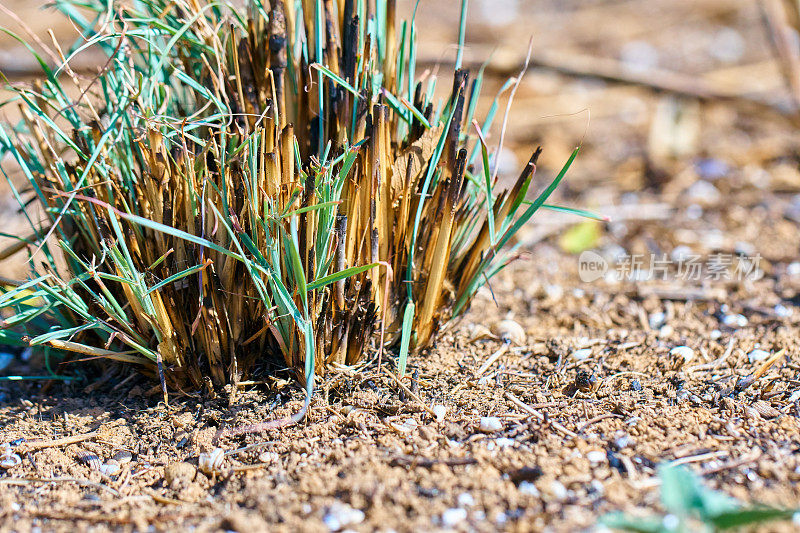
point(240, 184)
point(691, 506)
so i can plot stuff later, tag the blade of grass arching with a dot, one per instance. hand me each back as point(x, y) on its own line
point(26, 316)
point(315, 207)
point(335, 77)
point(180, 275)
point(432, 164)
point(62, 333)
point(405, 338)
point(535, 205)
point(572, 211)
point(338, 276)
point(462, 29)
point(23, 291)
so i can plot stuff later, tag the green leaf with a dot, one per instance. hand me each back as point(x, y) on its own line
point(619, 520)
point(749, 516)
point(580, 237)
point(408, 324)
point(337, 276)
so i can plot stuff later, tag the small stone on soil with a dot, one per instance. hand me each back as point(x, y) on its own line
point(490, 424)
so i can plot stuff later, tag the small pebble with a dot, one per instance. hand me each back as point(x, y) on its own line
point(665, 331)
point(554, 292)
point(268, 457)
point(782, 311)
point(715, 334)
point(123, 457)
point(465, 499)
point(439, 412)
point(583, 353)
point(490, 424)
point(682, 355)
point(757, 355)
point(703, 193)
point(110, 468)
point(526, 487)
point(596, 456)
point(735, 321)
point(453, 517)
point(657, 319)
point(558, 490)
point(341, 515)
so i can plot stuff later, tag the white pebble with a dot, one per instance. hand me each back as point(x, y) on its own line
point(110, 469)
point(665, 331)
point(596, 456)
point(268, 457)
point(526, 487)
point(684, 352)
point(735, 321)
point(465, 499)
point(782, 311)
point(583, 353)
point(793, 269)
point(554, 292)
point(439, 411)
point(657, 320)
point(757, 355)
point(490, 424)
point(703, 193)
point(715, 334)
point(453, 517)
point(559, 490)
point(340, 515)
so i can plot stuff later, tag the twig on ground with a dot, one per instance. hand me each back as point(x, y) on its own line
point(595, 420)
point(84, 482)
point(492, 359)
point(63, 441)
point(413, 395)
point(410, 460)
point(525, 407)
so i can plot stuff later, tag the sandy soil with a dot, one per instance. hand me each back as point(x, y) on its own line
point(590, 397)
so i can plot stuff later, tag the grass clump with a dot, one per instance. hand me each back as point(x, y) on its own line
point(237, 184)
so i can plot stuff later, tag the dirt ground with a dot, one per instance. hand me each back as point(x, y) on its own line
point(589, 397)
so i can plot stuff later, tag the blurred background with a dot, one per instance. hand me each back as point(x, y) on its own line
point(686, 111)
